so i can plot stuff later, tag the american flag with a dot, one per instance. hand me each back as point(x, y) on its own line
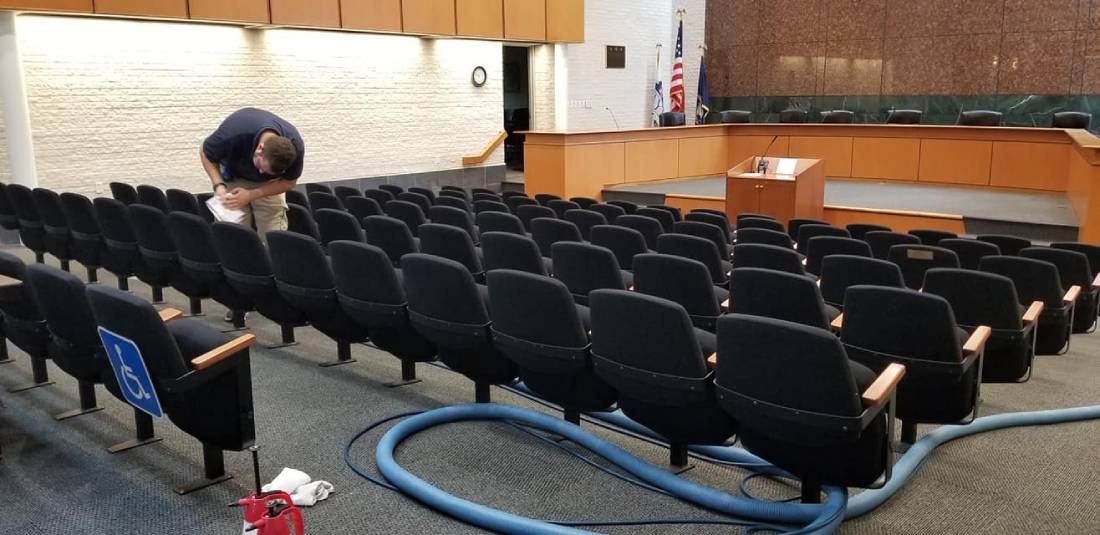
point(676, 91)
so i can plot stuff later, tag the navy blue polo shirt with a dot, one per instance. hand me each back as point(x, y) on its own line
point(234, 142)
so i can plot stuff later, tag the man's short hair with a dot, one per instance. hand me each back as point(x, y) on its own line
point(280, 153)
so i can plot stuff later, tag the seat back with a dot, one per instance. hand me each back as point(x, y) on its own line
point(17, 305)
point(881, 241)
point(680, 280)
point(418, 199)
point(627, 206)
point(761, 223)
point(1035, 280)
point(904, 117)
point(536, 323)
point(367, 284)
point(346, 192)
point(677, 215)
point(294, 196)
point(806, 232)
point(58, 241)
point(976, 298)
point(672, 118)
point(8, 218)
point(796, 223)
point(530, 212)
point(661, 216)
point(1073, 267)
point(499, 222)
point(763, 236)
point(775, 294)
point(837, 117)
point(839, 272)
point(302, 272)
point(300, 220)
point(319, 200)
point(338, 225)
point(392, 189)
point(487, 196)
point(584, 267)
point(980, 118)
point(391, 235)
point(914, 260)
point(932, 237)
point(451, 199)
point(609, 211)
point(408, 212)
point(560, 206)
point(546, 232)
point(623, 242)
point(584, 202)
point(152, 196)
point(31, 231)
point(134, 318)
point(380, 196)
point(87, 239)
point(194, 243)
point(514, 202)
point(118, 230)
point(970, 252)
point(1071, 119)
point(585, 220)
point(316, 187)
point(1091, 251)
point(455, 217)
point(820, 247)
point(545, 198)
point(427, 193)
point(62, 302)
point(649, 228)
point(859, 230)
point(695, 248)
point(900, 322)
point(361, 207)
point(123, 192)
point(453, 243)
point(244, 259)
point(444, 302)
point(483, 205)
point(715, 220)
point(154, 242)
point(505, 250)
point(182, 201)
point(764, 256)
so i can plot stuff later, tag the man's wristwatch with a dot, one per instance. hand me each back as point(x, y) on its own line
point(219, 184)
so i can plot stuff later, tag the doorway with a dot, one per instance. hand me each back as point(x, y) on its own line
point(517, 105)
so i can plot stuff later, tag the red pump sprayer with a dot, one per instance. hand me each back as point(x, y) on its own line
point(269, 513)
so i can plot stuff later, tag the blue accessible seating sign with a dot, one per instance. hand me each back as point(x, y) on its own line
point(131, 373)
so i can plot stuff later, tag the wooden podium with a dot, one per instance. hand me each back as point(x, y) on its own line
point(801, 193)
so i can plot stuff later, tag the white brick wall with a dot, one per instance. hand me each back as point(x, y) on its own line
point(639, 25)
point(133, 100)
point(5, 170)
point(541, 67)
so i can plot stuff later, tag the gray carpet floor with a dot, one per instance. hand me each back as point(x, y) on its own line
point(57, 477)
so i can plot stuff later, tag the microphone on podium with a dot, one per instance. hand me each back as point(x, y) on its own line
point(762, 165)
point(608, 108)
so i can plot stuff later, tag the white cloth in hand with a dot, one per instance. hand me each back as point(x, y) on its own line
point(222, 212)
point(311, 493)
point(287, 481)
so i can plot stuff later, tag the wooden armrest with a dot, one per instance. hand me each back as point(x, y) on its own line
point(818, 282)
point(712, 360)
point(886, 382)
point(222, 352)
point(1033, 312)
point(977, 339)
point(1096, 281)
point(804, 262)
point(837, 323)
point(726, 304)
point(9, 282)
point(1071, 295)
point(169, 314)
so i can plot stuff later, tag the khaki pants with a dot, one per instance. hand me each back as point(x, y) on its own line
point(264, 214)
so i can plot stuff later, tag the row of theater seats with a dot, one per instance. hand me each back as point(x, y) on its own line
point(1065, 119)
point(362, 297)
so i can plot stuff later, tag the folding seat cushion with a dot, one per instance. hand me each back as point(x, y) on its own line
point(859, 230)
point(918, 330)
point(647, 349)
point(585, 220)
point(246, 265)
point(1009, 245)
point(182, 201)
point(809, 419)
point(202, 378)
point(152, 197)
point(504, 250)
point(57, 237)
point(87, 246)
point(123, 192)
point(304, 277)
point(499, 222)
point(625, 243)
point(449, 309)
point(806, 232)
point(756, 255)
point(31, 231)
point(455, 217)
point(970, 252)
point(649, 227)
point(537, 325)
point(1037, 280)
point(370, 292)
point(391, 235)
point(881, 241)
point(609, 211)
point(662, 216)
point(338, 225)
point(546, 232)
point(838, 272)
point(820, 247)
point(775, 294)
point(585, 267)
point(410, 213)
point(453, 243)
point(932, 236)
point(987, 299)
point(1073, 270)
point(915, 260)
point(681, 280)
point(698, 249)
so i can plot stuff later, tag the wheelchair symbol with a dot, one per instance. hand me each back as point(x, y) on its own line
point(130, 378)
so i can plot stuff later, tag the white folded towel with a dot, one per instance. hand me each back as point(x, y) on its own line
point(311, 493)
point(223, 213)
point(287, 481)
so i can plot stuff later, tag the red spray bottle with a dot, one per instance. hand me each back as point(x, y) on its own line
point(269, 513)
